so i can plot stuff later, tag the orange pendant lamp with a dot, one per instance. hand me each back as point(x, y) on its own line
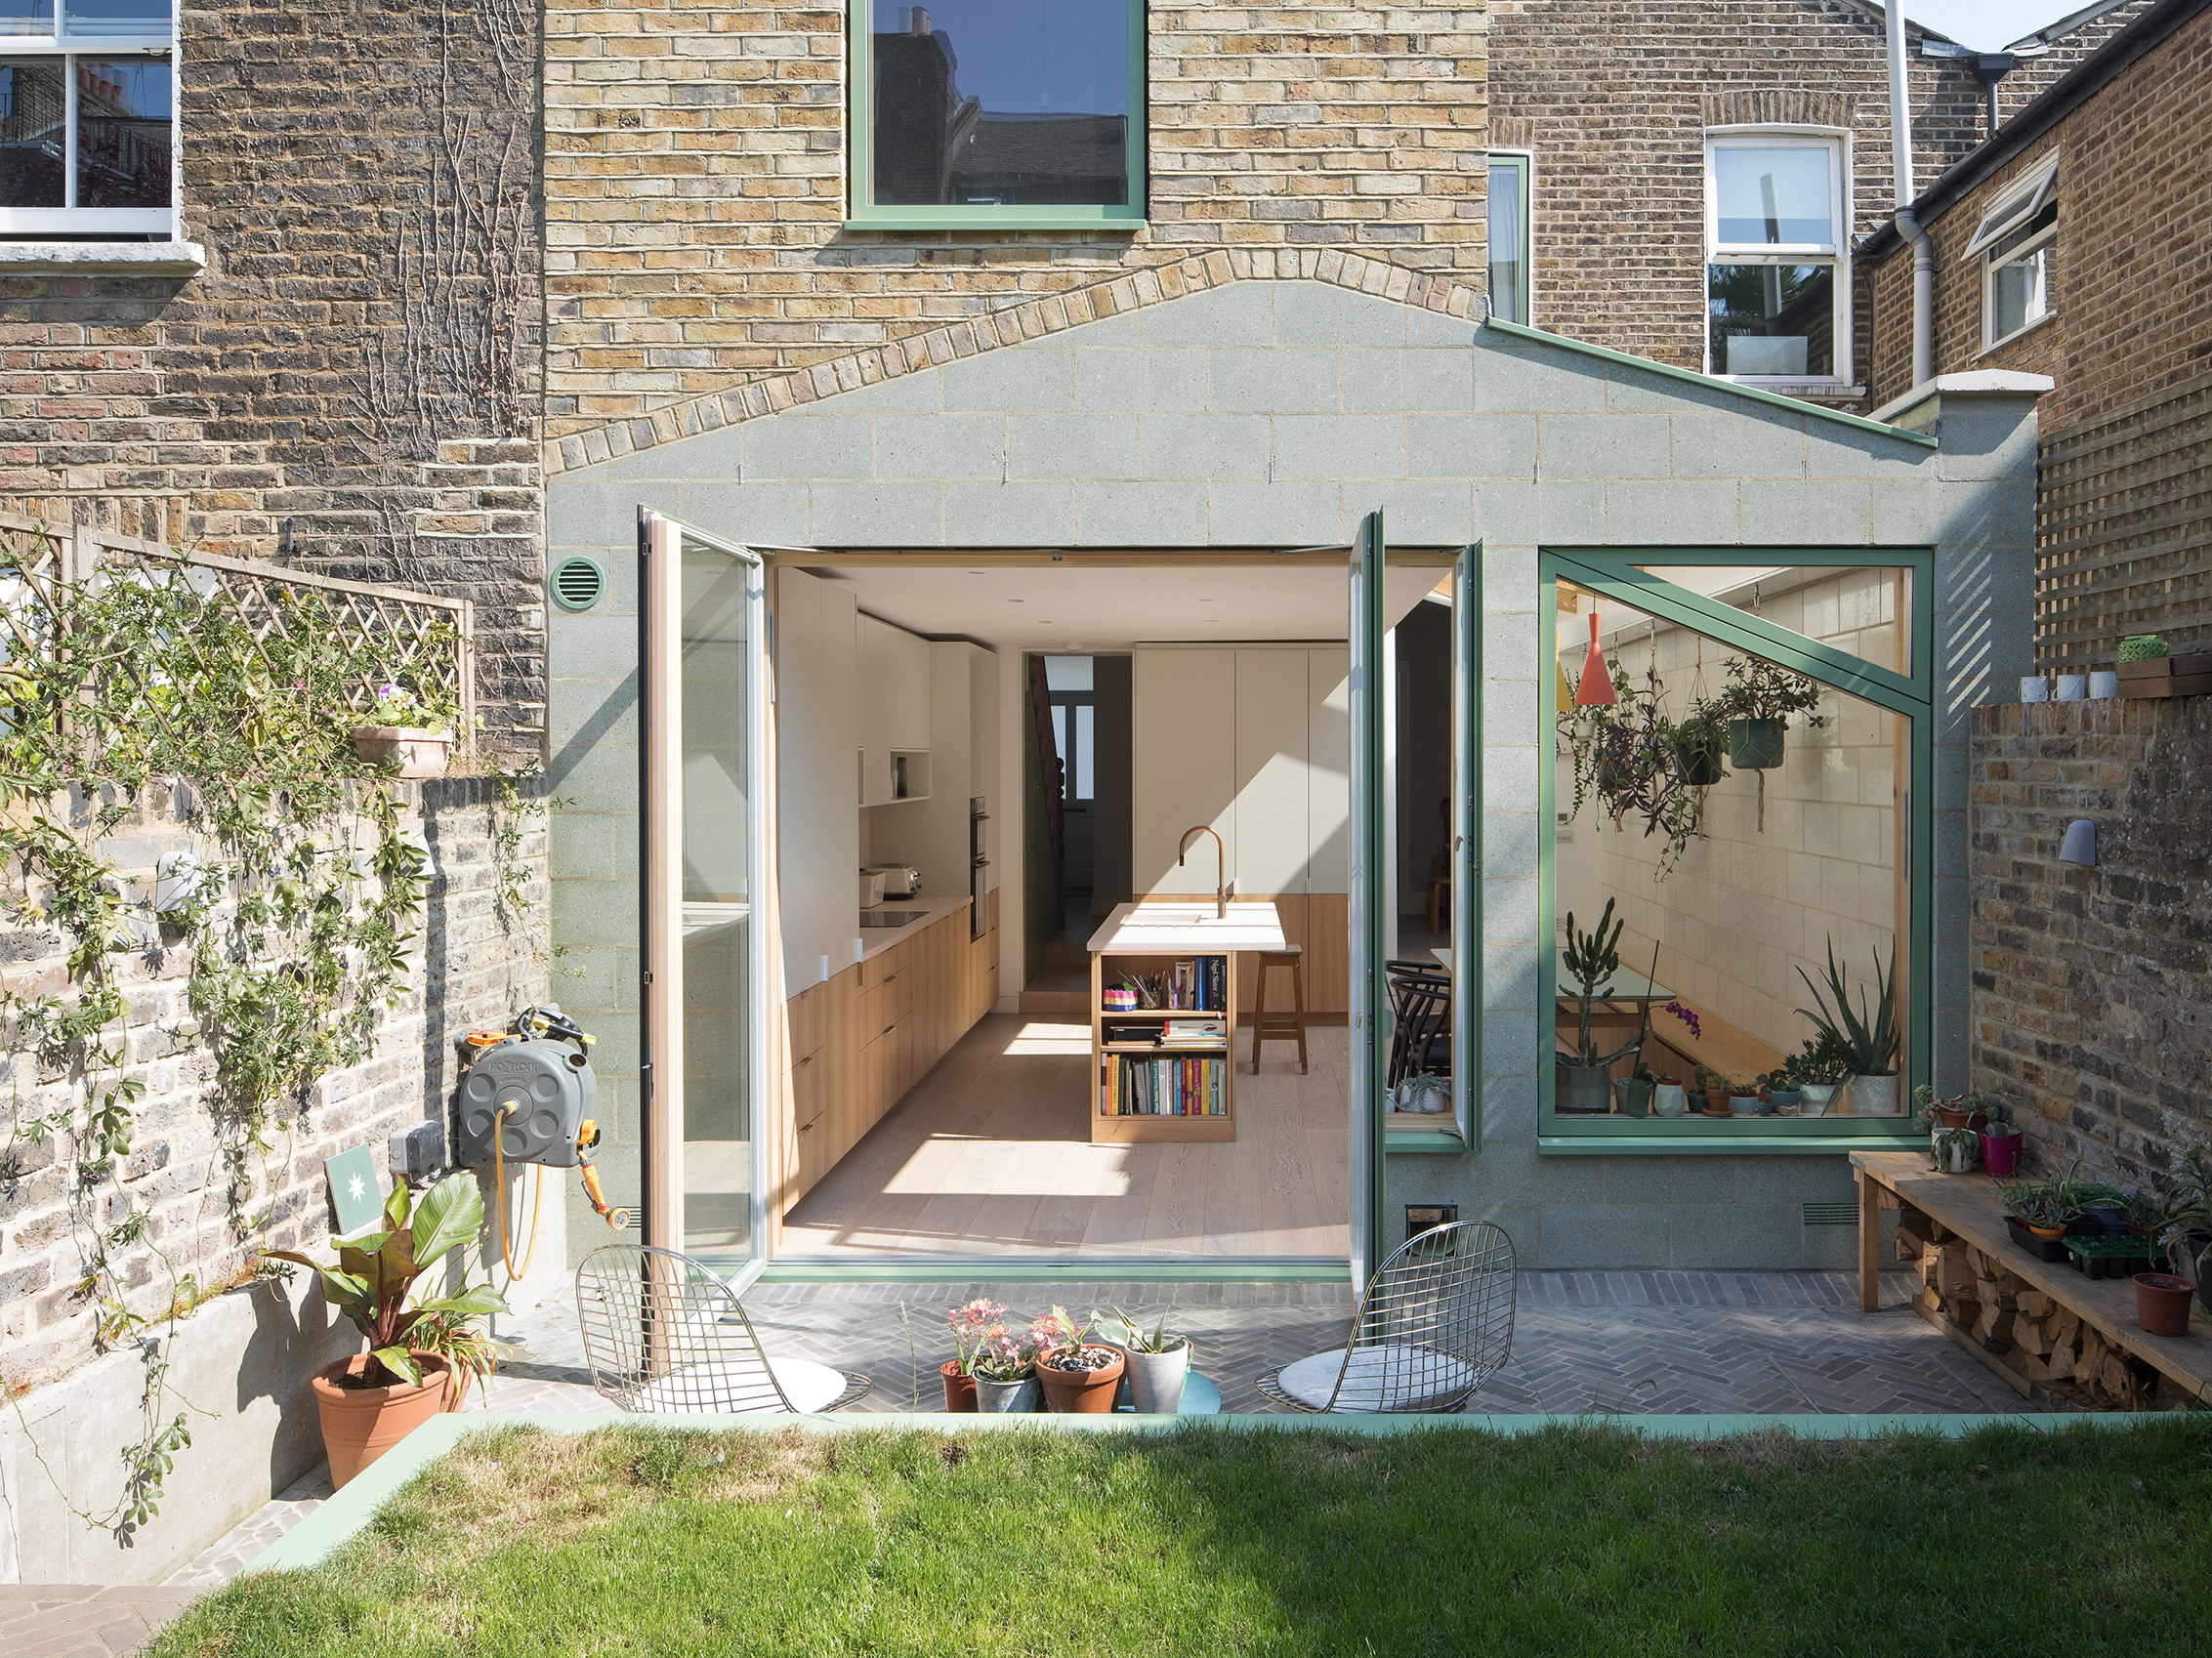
point(1596, 687)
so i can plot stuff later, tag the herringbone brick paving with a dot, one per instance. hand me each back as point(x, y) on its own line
point(1692, 1344)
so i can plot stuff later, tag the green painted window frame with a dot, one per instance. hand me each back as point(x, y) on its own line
point(863, 214)
point(1612, 572)
point(1524, 301)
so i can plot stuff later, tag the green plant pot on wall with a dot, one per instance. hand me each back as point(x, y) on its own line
point(1756, 745)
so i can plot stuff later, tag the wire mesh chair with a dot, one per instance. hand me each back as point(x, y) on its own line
point(1434, 1324)
point(663, 1335)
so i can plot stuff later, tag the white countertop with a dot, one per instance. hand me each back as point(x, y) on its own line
point(1180, 929)
point(874, 941)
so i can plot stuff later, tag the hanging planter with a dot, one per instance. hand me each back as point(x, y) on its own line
point(1757, 745)
point(1698, 750)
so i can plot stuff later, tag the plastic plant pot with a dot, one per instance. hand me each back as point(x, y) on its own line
point(2000, 1153)
point(1633, 1096)
point(2161, 1303)
point(959, 1389)
point(1757, 745)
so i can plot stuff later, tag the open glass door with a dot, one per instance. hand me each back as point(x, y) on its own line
point(702, 712)
point(1371, 898)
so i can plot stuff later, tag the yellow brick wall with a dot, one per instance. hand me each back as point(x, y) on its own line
point(695, 183)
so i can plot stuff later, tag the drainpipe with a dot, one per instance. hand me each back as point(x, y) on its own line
point(1908, 228)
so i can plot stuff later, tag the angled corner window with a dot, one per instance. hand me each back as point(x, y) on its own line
point(1776, 282)
point(88, 120)
point(1020, 115)
point(2016, 239)
point(1510, 241)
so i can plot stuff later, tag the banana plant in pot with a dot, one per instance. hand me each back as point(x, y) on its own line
point(1583, 1080)
point(1870, 1034)
point(370, 1402)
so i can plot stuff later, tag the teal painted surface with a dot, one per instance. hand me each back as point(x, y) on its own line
point(1002, 1269)
point(336, 1522)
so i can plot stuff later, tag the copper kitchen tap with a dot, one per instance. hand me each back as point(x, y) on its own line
point(1221, 867)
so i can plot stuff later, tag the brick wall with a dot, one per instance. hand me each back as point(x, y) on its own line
point(696, 184)
point(1615, 95)
point(2130, 272)
point(471, 967)
point(363, 182)
point(2092, 987)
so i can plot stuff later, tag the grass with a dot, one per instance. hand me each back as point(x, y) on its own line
point(1582, 1539)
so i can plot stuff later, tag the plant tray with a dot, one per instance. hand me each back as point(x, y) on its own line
point(2114, 1255)
point(2044, 1249)
point(2167, 676)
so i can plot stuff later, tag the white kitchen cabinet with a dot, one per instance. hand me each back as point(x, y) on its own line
point(1183, 764)
point(818, 835)
point(1329, 776)
point(893, 692)
point(1270, 852)
point(907, 721)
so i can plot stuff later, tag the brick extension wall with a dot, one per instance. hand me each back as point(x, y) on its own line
point(2092, 988)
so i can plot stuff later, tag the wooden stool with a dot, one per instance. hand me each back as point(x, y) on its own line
point(1280, 1027)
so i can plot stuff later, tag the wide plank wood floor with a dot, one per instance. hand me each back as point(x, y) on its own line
point(990, 1156)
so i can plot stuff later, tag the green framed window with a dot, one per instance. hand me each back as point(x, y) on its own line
point(1755, 806)
point(1511, 245)
point(1014, 115)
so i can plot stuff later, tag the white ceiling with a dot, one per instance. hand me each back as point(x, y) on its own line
point(1088, 607)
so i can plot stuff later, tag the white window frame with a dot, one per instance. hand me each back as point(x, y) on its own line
point(2045, 242)
point(1527, 160)
point(1836, 255)
point(2006, 213)
point(96, 221)
point(2019, 202)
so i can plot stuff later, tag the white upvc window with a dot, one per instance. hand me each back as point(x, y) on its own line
point(88, 120)
point(1778, 278)
point(2017, 242)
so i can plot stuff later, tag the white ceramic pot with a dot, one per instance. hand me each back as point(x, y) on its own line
point(404, 751)
point(1871, 1097)
point(1819, 1097)
point(2073, 688)
point(2105, 682)
point(2034, 688)
point(1155, 1380)
point(1670, 1099)
point(1960, 1158)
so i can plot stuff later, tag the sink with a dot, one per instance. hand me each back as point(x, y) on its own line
point(1160, 915)
point(890, 918)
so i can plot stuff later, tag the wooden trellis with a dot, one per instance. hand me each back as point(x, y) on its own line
point(2124, 531)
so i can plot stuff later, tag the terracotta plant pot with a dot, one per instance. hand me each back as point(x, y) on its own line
point(959, 1389)
point(2000, 1153)
point(2161, 1303)
point(361, 1424)
point(1080, 1392)
point(404, 751)
point(1716, 1104)
point(2047, 1234)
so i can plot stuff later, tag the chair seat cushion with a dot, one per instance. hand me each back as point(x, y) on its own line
point(1392, 1378)
point(741, 1389)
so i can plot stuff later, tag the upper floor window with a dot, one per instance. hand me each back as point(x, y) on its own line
point(1509, 235)
point(1777, 215)
point(2016, 239)
point(1018, 114)
point(88, 120)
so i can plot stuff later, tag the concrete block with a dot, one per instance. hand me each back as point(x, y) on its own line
point(1288, 515)
point(1141, 381)
point(591, 714)
point(1206, 446)
point(1073, 446)
point(1809, 513)
point(1410, 378)
point(1602, 1236)
point(746, 512)
point(921, 393)
point(1824, 1178)
point(1317, 314)
point(1515, 1172)
point(1555, 514)
point(1834, 450)
point(711, 454)
point(1125, 329)
point(590, 645)
point(1759, 443)
point(1905, 513)
point(1509, 577)
point(878, 515)
point(1604, 445)
point(1510, 906)
point(1633, 1179)
point(941, 446)
point(1742, 1237)
point(1424, 327)
point(1038, 379)
point(1009, 515)
point(1509, 1043)
point(600, 777)
point(1239, 314)
point(1511, 705)
point(1156, 514)
point(1273, 381)
point(1426, 513)
point(590, 513)
point(1985, 439)
point(1529, 378)
point(1633, 391)
point(1471, 445)
point(1509, 975)
point(807, 447)
point(1695, 513)
point(1509, 1108)
point(1511, 648)
point(1339, 446)
point(595, 912)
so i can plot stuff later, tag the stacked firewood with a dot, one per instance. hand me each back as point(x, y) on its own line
point(2027, 1332)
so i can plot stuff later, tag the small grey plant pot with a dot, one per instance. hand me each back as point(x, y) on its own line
point(1873, 1096)
point(1155, 1380)
point(1009, 1398)
point(1818, 1097)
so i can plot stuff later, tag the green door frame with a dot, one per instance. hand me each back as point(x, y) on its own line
point(1614, 573)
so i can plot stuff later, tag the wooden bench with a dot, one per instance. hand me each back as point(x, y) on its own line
point(2055, 1335)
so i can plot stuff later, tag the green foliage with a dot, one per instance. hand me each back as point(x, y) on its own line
point(1591, 959)
point(1871, 1037)
point(1761, 689)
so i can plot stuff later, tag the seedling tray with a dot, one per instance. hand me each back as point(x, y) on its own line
point(2113, 1256)
point(2044, 1249)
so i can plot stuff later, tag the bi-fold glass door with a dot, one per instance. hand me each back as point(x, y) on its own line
point(703, 719)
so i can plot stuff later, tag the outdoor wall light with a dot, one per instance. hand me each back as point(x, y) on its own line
point(1427, 1216)
point(2080, 842)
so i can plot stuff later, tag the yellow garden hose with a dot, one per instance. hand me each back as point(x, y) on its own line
point(537, 1203)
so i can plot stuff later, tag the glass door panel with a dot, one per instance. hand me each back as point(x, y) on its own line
point(1863, 610)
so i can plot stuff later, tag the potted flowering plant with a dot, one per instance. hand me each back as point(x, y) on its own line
point(970, 1326)
point(1079, 1378)
point(1158, 1364)
point(2001, 1139)
point(405, 735)
point(1006, 1370)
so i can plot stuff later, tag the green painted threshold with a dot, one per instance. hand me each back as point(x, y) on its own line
point(333, 1524)
point(970, 1269)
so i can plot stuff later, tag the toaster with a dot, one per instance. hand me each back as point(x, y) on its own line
point(900, 880)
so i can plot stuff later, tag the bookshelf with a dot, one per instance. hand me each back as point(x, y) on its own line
point(1153, 939)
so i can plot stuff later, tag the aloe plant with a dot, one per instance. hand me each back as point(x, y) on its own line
point(1871, 1036)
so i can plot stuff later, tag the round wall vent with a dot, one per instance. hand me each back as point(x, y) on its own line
point(578, 583)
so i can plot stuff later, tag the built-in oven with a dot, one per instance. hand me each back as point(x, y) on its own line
point(977, 882)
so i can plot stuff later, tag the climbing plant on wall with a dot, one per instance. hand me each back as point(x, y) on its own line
point(145, 690)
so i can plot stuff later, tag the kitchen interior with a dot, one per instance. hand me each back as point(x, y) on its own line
point(1064, 780)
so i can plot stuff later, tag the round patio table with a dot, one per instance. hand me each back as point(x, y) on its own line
point(1200, 1397)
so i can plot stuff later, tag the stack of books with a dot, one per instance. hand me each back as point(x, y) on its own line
point(1132, 1087)
point(1194, 1033)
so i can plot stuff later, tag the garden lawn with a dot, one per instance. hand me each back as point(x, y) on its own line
point(1582, 1539)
